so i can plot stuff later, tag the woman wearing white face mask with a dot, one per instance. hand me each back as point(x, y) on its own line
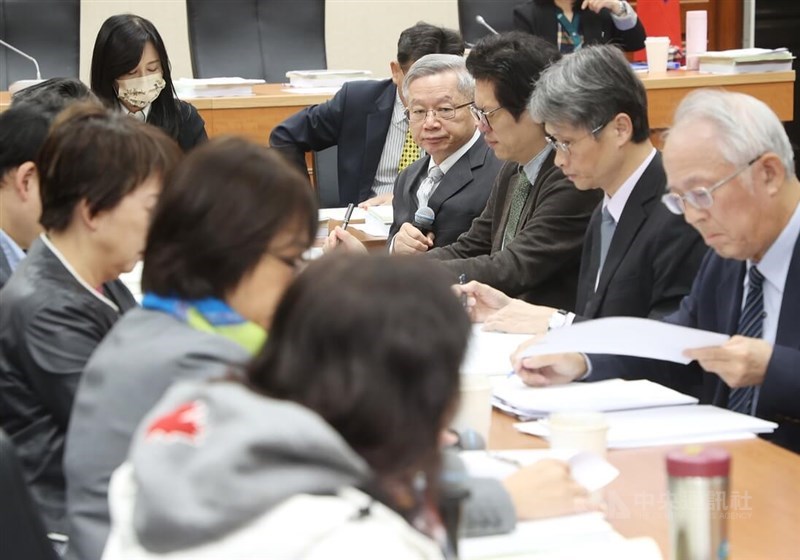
point(131, 72)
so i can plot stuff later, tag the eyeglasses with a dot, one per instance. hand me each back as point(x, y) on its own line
point(700, 198)
point(444, 113)
point(481, 116)
point(565, 146)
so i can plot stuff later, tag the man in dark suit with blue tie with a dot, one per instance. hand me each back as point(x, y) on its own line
point(731, 174)
point(365, 120)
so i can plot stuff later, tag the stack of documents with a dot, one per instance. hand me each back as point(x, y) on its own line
point(513, 396)
point(670, 425)
point(325, 78)
point(214, 87)
point(742, 61)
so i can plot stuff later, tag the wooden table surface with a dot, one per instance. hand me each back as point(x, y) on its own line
point(764, 521)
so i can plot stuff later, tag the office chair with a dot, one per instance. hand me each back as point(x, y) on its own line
point(47, 30)
point(23, 532)
point(256, 38)
point(498, 13)
point(326, 170)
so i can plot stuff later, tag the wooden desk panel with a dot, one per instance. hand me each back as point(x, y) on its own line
point(765, 493)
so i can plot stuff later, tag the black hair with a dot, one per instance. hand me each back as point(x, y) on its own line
point(512, 63)
point(218, 214)
point(53, 94)
point(99, 156)
point(23, 129)
point(424, 38)
point(118, 50)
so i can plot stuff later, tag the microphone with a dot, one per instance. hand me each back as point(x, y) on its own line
point(29, 57)
point(423, 220)
point(22, 84)
point(482, 22)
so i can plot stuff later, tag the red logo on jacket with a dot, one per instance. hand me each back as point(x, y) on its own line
point(186, 423)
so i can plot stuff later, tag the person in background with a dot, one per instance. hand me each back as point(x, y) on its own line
point(131, 72)
point(639, 259)
point(99, 175)
point(227, 238)
point(23, 128)
point(366, 120)
point(333, 453)
point(731, 174)
point(573, 24)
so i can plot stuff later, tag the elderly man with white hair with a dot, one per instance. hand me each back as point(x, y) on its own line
point(730, 172)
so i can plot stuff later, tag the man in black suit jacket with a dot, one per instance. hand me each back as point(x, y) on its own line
point(652, 255)
point(603, 21)
point(439, 91)
point(731, 172)
point(365, 120)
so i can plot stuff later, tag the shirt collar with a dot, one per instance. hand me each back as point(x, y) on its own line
point(775, 263)
point(13, 252)
point(451, 160)
point(81, 281)
point(616, 203)
point(533, 167)
point(141, 115)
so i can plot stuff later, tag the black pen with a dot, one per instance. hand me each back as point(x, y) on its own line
point(347, 215)
point(462, 279)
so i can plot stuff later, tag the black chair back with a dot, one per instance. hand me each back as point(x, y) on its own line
point(21, 527)
point(256, 38)
point(47, 30)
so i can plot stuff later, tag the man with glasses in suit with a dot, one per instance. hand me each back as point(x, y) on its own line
point(639, 259)
point(731, 175)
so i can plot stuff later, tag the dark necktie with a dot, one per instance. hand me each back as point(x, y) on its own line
point(751, 324)
point(607, 227)
point(518, 198)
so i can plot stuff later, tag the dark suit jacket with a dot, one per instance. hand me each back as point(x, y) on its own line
point(459, 198)
point(49, 326)
point(541, 263)
point(714, 304)
point(652, 260)
point(539, 19)
point(356, 120)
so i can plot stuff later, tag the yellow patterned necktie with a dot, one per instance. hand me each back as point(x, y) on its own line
point(410, 152)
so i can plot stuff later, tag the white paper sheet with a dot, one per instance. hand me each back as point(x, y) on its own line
point(602, 396)
point(488, 353)
point(627, 336)
point(670, 425)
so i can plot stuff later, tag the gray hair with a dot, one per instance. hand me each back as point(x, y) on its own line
point(746, 127)
point(432, 64)
point(588, 88)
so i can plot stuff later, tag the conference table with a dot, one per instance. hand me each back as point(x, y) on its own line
point(764, 493)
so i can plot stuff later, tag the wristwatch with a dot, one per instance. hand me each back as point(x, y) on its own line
point(557, 320)
point(624, 9)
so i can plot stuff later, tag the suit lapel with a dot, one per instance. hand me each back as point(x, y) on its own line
point(458, 176)
point(789, 323)
point(497, 242)
point(416, 172)
point(649, 186)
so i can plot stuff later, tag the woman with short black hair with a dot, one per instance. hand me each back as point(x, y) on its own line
point(131, 71)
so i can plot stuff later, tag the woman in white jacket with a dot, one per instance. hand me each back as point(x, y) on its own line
point(333, 450)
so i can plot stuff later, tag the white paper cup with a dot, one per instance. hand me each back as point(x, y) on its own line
point(657, 54)
point(585, 431)
point(475, 406)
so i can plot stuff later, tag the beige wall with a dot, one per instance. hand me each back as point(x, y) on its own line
point(360, 34)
